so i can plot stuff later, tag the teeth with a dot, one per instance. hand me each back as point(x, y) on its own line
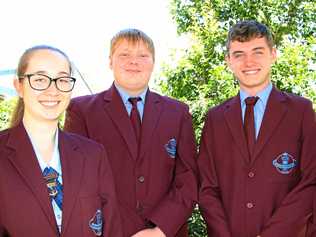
point(49, 103)
point(251, 72)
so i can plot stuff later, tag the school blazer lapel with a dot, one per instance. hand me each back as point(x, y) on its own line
point(274, 113)
point(152, 112)
point(114, 107)
point(24, 160)
point(72, 161)
point(233, 119)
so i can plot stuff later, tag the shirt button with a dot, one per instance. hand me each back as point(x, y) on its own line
point(141, 179)
point(249, 205)
point(251, 174)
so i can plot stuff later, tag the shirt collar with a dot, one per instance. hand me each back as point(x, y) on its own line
point(55, 161)
point(263, 95)
point(125, 96)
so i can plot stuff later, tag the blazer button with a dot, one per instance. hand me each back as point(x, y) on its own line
point(249, 205)
point(141, 179)
point(251, 174)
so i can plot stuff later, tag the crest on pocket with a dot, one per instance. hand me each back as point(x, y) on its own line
point(171, 147)
point(284, 163)
point(96, 223)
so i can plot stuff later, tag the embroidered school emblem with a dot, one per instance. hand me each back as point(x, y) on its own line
point(96, 223)
point(284, 163)
point(171, 147)
point(51, 182)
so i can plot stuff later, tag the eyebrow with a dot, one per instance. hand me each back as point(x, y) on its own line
point(240, 51)
point(258, 48)
point(59, 73)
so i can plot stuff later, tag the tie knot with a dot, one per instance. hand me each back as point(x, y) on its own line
point(251, 100)
point(50, 173)
point(134, 100)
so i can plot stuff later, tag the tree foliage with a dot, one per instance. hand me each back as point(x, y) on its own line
point(200, 76)
point(6, 109)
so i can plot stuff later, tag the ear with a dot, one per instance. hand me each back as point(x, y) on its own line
point(274, 54)
point(227, 59)
point(18, 85)
point(110, 62)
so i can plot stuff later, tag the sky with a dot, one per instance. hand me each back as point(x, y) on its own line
point(83, 30)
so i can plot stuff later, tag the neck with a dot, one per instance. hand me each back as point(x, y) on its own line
point(131, 93)
point(43, 135)
point(253, 91)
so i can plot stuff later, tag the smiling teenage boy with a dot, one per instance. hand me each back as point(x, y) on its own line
point(257, 156)
point(149, 139)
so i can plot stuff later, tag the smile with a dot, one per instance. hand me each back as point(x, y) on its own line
point(133, 70)
point(251, 72)
point(49, 103)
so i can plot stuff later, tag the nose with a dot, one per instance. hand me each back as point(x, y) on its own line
point(52, 89)
point(248, 60)
point(133, 59)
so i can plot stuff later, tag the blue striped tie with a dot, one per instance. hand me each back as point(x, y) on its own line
point(54, 187)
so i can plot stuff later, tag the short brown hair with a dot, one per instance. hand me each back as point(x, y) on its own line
point(133, 36)
point(245, 31)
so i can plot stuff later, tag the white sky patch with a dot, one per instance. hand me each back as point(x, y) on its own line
point(83, 30)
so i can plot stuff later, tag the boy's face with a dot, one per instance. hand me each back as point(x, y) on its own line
point(251, 63)
point(132, 65)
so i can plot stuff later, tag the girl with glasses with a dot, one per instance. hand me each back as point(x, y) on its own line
point(52, 183)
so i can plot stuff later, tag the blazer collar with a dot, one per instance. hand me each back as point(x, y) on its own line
point(274, 112)
point(116, 110)
point(232, 114)
point(24, 160)
point(26, 164)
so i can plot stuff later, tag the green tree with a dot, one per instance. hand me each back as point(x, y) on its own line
point(201, 78)
point(6, 109)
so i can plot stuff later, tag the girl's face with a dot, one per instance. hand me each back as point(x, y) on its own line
point(45, 105)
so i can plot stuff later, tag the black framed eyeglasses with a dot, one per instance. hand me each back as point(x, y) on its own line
point(41, 82)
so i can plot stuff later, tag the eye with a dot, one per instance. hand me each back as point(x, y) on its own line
point(65, 80)
point(39, 78)
point(123, 54)
point(258, 52)
point(238, 55)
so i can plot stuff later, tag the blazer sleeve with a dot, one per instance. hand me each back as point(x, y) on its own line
point(111, 214)
point(210, 202)
point(75, 120)
point(176, 207)
point(289, 219)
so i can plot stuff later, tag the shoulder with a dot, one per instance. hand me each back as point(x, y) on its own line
point(171, 103)
point(4, 135)
point(87, 102)
point(81, 141)
point(220, 108)
point(296, 99)
point(88, 98)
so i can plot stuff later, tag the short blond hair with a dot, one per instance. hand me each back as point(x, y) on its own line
point(133, 36)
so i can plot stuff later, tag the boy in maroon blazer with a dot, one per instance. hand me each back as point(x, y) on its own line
point(149, 139)
point(257, 157)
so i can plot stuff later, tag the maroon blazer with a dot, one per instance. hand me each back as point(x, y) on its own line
point(25, 207)
point(243, 196)
point(157, 185)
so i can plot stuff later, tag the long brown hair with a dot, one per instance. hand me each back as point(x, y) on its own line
point(18, 111)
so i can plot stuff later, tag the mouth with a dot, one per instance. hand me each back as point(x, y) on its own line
point(251, 72)
point(49, 103)
point(132, 70)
